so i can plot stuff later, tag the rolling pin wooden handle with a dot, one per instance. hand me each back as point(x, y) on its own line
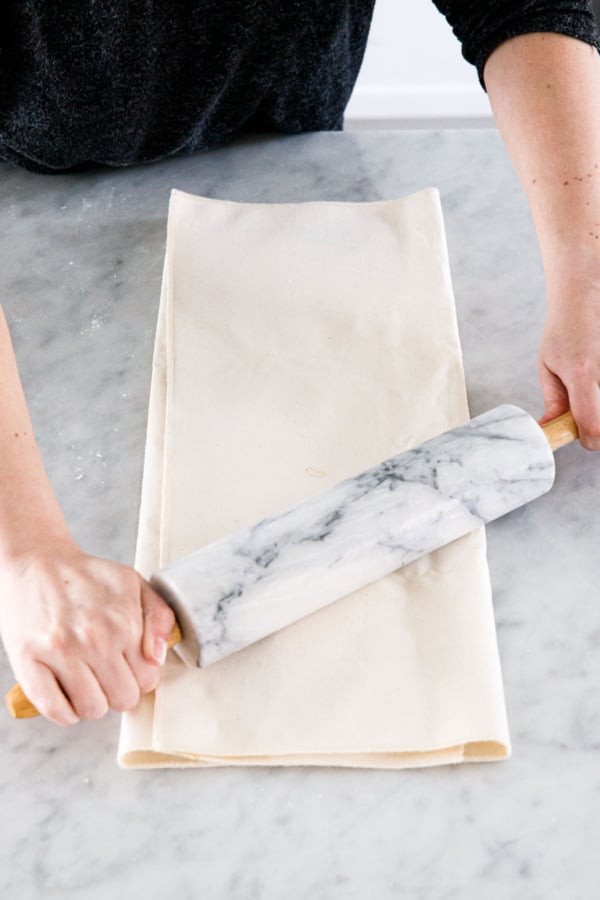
point(561, 431)
point(21, 708)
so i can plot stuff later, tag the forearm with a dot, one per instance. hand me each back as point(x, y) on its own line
point(29, 511)
point(82, 633)
point(545, 93)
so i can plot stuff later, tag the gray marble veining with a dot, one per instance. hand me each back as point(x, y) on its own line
point(267, 576)
point(80, 267)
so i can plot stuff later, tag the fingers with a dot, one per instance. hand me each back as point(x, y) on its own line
point(42, 689)
point(585, 406)
point(81, 687)
point(580, 393)
point(108, 677)
point(158, 622)
point(556, 397)
point(146, 676)
point(88, 635)
point(74, 691)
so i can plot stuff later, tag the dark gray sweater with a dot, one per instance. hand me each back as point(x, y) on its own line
point(118, 82)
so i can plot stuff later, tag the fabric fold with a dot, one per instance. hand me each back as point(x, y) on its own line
point(298, 344)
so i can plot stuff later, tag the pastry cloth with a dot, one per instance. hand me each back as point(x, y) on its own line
point(298, 344)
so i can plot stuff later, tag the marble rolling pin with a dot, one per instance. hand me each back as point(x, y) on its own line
point(250, 584)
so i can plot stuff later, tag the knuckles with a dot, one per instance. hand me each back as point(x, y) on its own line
point(583, 371)
point(54, 642)
point(58, 642)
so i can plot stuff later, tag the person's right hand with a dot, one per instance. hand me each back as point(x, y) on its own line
point(82, 634)
point(569, 358)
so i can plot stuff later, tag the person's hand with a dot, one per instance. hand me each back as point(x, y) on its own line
point(82, 634)
point(569, 361)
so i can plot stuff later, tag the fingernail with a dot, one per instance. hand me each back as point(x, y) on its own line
point(160, 650)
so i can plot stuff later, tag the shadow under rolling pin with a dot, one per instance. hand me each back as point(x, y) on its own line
point(507, 429)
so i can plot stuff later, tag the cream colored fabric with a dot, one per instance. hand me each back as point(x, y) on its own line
point(298, 344)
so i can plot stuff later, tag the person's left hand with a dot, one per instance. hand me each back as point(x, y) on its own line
point(569, 359)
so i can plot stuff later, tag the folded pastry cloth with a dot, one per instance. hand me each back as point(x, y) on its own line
point(299, 344)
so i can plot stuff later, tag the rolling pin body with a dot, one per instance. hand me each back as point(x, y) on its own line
point(252, 583)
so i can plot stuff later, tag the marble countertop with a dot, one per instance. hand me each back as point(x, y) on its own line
point(80, 269)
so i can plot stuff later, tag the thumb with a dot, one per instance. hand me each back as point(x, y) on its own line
point(158, 621)
point(555, 394)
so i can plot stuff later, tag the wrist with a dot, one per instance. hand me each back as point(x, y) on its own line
point(24, 543)
point(573, 276)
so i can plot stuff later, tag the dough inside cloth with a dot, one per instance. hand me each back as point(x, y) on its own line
point(298, 344)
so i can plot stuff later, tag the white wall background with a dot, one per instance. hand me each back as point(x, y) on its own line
point(413, 70)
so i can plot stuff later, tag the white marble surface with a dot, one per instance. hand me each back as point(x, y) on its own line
point(80, 264)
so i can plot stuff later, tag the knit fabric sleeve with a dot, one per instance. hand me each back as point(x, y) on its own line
point(481, 25)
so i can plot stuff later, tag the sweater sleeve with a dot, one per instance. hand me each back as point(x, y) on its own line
point(481, 25)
